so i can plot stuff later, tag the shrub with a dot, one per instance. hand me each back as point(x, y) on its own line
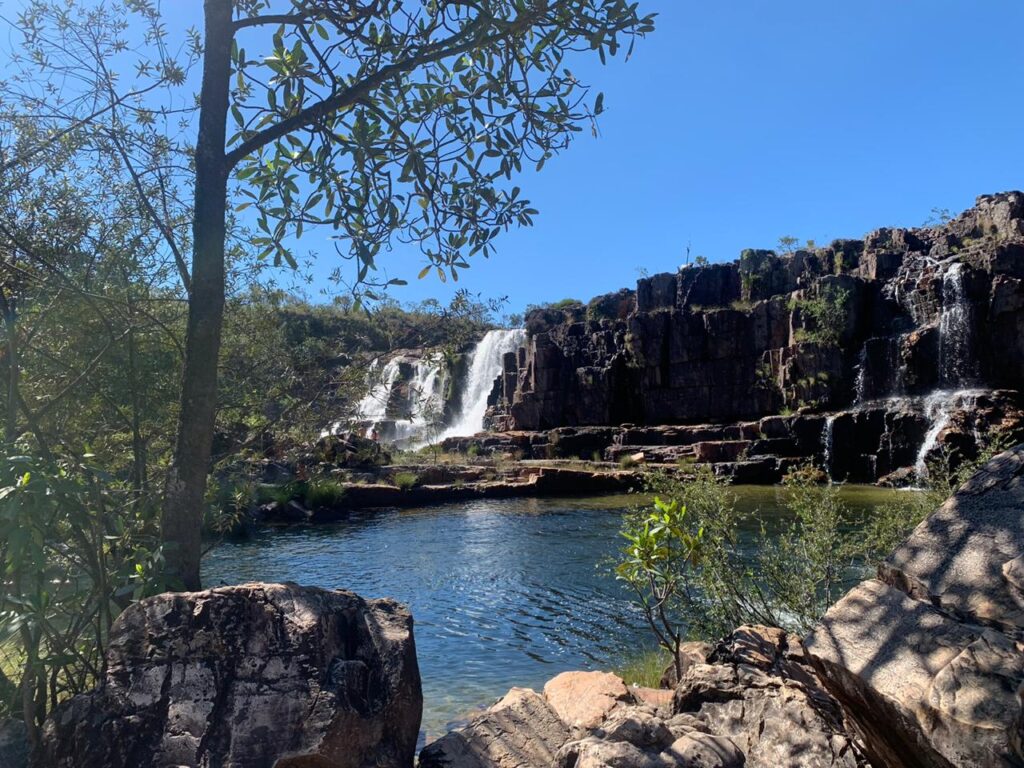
point(324, 493)
point(75, 548)
point(406, 481)
point(692, 572)
point(827, 314)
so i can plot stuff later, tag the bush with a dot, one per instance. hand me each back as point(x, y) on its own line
point(827, 313)
point(324, 493)
point(692, 573)
point(406, 481)
point(75, 548)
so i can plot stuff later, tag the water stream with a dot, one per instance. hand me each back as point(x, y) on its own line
point(485, 366)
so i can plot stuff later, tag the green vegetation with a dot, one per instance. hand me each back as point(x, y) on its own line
point(827, 314)
point(645, 669)
point(695, 573)
point(324, 493)
point(406, 481)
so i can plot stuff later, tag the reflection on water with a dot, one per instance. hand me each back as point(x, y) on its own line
point(504, 592)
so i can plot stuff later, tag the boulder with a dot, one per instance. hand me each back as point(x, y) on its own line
point(922, 689)
point(755, 691)
point(520, 731)
point(928, 658)
point(690, 653)
point(253, 676)
point(584, 699)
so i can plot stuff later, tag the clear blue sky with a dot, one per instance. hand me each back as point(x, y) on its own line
point(738, 122)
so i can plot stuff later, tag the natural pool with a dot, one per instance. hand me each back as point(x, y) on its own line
point(504, 592)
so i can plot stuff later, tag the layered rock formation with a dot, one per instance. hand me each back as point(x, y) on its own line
point(894, 338)
point(258, 676)
point(928, 658)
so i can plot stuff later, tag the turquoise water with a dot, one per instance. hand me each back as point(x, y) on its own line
point(504, 592)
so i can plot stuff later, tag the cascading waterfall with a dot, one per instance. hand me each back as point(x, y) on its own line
point(862, 375)
point(424, 408)
point(955, 362)
point(485, 366)
point(419, 413)
point(939, 408)
point(374, 405)
point(828, 443)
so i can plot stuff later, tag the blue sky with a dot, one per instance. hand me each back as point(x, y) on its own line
point(739, 122)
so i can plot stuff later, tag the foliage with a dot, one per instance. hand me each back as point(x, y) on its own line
point(661, 548)
point(75, 547)
point(826, 312)
point(406, 481)
point(788, 244)
point(556, 306)
point(644, 669)
point(700, 566)
point(324, 493)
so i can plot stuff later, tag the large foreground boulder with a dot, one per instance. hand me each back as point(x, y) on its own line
point(254, 676)
point(928, 659)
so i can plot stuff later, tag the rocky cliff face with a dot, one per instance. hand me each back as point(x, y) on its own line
point(888, 336)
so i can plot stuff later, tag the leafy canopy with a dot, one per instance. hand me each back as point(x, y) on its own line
point(403, 121)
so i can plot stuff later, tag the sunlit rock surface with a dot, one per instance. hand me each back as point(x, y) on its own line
point(928, 658)
point(254, 676)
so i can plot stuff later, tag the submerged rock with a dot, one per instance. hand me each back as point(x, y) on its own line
point(253, 676)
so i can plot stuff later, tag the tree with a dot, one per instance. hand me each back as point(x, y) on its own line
point(392, 123)
point(384, 122)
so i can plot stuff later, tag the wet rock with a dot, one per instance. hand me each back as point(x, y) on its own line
point(520, 731)
point(258, 675)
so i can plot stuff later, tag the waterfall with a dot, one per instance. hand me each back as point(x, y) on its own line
point(939, 408)
point(486, 364)
point(423, 409)
point(374, 405)
point(419, 409)
point(828, 443)
point(862, 375)
point(955, 364)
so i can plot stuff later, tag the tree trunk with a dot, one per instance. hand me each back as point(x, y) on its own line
point(13, 368)
point(186, 481)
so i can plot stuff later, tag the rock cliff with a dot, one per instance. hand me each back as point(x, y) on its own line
point(894, 339)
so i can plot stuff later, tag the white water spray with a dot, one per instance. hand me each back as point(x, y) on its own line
point(939, 408)
point(828, 443)
point(485, 366)
point(955, 362)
